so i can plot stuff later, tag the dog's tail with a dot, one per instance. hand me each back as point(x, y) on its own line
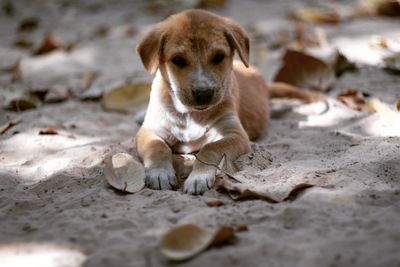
point(284, 90)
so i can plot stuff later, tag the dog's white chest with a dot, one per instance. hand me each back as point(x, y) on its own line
point(186, 130)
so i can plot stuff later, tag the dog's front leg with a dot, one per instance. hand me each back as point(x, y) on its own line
point(157, 159)
point(234, 143)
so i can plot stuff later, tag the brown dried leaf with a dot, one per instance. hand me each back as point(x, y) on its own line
point(88, 79)
point(223, 236)
point(49, 131)
point(127, 98)
point(22, 101)
point(316, 15)
point(185, 241)
point(49, 44)
point(390, 8)
point(211, 3)
point(241, 228)
point(392, 62)
point(214, 202)
point(23, 43)
point(398, 105)
point(8, 125)
point(305, 71)
point(28, 24)
point(353, 99)
point(124, 173)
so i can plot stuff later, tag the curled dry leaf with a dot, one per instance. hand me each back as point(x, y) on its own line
point(224, 235)
point(28, 24)
point(316, 15)
point(353, 99)
point(390, 8)
point(214, 202)
point(305, 71)
point(127, 98)
point(22, 101)
point(392, 62)
point(185, 241)
point(49, 131)
point(49, 44)
point(8, 125)
point(124, 173)
point(88, 79)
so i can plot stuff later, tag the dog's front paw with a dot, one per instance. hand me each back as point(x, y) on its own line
point(160, 178)
point(199, 182)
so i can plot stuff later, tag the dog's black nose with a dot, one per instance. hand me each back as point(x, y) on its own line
point(203, 95)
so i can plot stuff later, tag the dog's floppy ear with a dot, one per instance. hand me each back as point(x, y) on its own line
point(238, 39)
point(151, 47)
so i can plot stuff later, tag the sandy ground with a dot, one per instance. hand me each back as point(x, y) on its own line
point(56, 208)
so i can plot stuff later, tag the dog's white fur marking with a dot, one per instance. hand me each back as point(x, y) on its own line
point(175, 88)
point(180, 130)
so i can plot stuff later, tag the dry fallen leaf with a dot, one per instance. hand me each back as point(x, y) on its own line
point(5, 127)
point(223, 235)
point(392, 62)
point(388, 115)
point(185, 241)
point(214, 202)
point(49, 44)
point(124, 173)
point(127, 98)
point(390, 8)
point(316, 15)
point(23, 43)
point(211, 3)
point(353, 99)
point(28, 24)
point(88, 79)
point(15, 71)
point(398, 105)
point(48, 131)
point(305, 71)
point(21, 100)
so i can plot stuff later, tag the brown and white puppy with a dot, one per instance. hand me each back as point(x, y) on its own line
point(201, 99)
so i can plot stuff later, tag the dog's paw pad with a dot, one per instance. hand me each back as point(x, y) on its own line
point(161, 178)
point(198, 183)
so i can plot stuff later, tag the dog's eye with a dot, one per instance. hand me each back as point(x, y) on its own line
point(218, 58)
point(179, 61)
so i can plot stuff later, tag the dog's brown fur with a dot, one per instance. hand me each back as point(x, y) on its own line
point(175, 122)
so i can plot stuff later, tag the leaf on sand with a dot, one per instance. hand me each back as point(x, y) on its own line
point(88, 79)
point(28, 24)
point(316, 15)
point(48, 131)
point(214, 202)
point(124, 173)
point(49, 44)
point(353, 99)
point(392, 62)
point(20, 101)
point(390, 8)
point(389, 116)
point(127, 98)
point(8, 125)
point(186, 241)
point(224, 235)
point(305, 71)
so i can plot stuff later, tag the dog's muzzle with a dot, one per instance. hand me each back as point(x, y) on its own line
point(203, 95)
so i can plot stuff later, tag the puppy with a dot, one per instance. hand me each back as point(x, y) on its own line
point(202, 100)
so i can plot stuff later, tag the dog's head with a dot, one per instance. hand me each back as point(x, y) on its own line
point(194, 52)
